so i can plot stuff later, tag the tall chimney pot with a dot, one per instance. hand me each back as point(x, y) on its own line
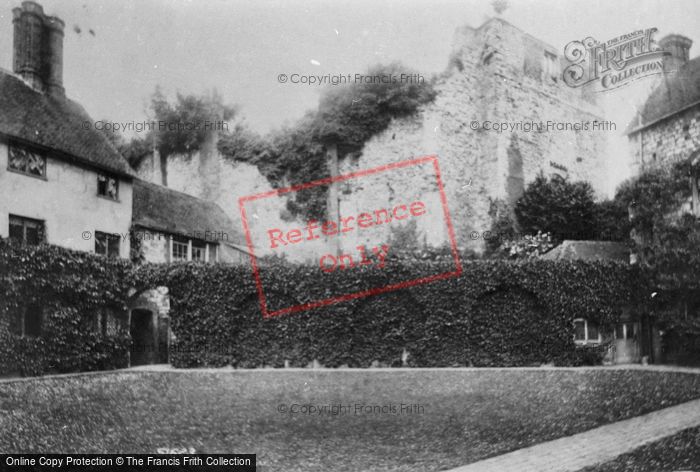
point(38, 48)
point(54, 56)
point(679, 49)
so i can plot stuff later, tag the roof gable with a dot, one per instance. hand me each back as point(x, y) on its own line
point(166, 210)
point(55, 123)
point(676, 92)
point(589, 251)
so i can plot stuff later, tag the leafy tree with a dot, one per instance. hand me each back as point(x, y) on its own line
point(666, 236)
point(133, 150)
point(244, 145)
point(611, 221)
point(653, 195)
point(136, 149)
point(563, 209)
point(180, 126)
point(352, 114)
point(666, 241)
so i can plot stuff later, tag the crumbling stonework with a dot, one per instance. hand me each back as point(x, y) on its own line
point(206, 174)
point(497, 74)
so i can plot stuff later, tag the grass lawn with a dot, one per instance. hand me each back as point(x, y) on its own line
point(464, 416)
point(675, 453)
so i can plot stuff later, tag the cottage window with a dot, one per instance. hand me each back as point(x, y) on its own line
point(107, 244)
point(26, 161)
point(26, 230)
point(107, 186)
point(626, 331)
point(179, 252)
point(27, 322)
point(109, 322)
point(112, 323)
point(98, 322)
point(198, 251)
point(586, 331)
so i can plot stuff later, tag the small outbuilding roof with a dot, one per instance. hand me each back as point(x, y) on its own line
point(589, 251)
point(166, 210)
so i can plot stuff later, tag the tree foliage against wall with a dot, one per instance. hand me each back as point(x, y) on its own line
point(561, 208)
point(178, 127)
point(549, 212)
point(665, 233)
point(347, 116)
point(666, 241)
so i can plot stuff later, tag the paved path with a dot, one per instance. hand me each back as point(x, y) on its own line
point(592, 447)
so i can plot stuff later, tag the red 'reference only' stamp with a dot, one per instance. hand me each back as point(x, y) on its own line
point(346, 226)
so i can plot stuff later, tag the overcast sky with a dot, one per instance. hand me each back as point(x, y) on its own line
point(240, 47)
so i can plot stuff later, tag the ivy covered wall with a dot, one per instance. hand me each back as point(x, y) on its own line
point(61, 311)
point(497, 313)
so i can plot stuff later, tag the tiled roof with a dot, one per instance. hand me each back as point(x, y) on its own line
point(589, 251)
point(58, 124)
point(675, 92)
point(163, 209)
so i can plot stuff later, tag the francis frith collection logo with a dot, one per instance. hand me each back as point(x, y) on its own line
point(614, 63)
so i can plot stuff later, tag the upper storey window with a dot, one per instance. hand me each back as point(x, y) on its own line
point(26, 161)
point(108, 186)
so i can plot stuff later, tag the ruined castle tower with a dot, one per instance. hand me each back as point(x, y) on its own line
point(496, 74)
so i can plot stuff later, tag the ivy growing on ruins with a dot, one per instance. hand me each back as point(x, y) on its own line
point(177, 127)
point(347, 117)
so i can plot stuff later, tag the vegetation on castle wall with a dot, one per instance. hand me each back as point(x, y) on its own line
point(178, 127)
point(348, 115)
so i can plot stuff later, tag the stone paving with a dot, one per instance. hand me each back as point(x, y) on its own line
point(592, 447)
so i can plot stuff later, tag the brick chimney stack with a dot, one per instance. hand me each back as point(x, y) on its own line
point(38, 48)
point(679, 47)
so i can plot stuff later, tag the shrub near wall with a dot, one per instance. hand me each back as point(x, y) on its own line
point(497, 313)
point(70, 288)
